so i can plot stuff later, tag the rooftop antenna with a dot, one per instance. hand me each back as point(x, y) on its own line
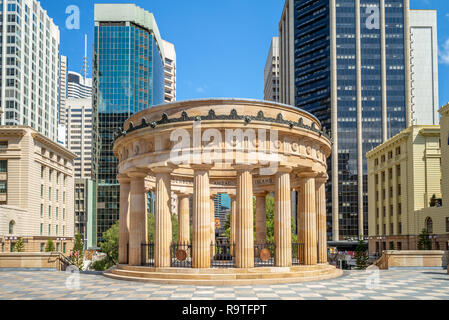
point(84, 70)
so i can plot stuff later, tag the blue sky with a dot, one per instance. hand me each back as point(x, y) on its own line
point(221, 46)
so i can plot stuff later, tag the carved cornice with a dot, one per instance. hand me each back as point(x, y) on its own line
point(232, 116)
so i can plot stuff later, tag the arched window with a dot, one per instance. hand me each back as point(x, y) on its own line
point(11, 226)
point(429, 225)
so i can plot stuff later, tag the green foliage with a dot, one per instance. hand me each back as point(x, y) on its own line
point(101, 265)
point(424, 242)
point(50, 246)
point(77, 252)
point(152, 227)
point(361, 256)
point(19, 246)
point(435, 202)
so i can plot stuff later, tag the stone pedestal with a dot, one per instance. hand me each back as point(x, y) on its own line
point(307, 218)
point(183, 219)
point(201, 218)
point(261, 218)
point(321, 219)
point(244, 255)
point(282, 218)
point(137, 200)
point(123, 237)
point(163, 230)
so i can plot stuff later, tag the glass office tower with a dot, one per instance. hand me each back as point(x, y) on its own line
point(128, 77)
point(350, 71)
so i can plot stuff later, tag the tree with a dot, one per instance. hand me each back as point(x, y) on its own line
point(19, 246)
point(77, 255)
point(361, 255)
point(50, 246)
point(109, 246)
point(424, 242)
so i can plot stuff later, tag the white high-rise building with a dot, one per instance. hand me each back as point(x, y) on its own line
point(424, 65)
point(79, 135)
point(271, 74)
point(78, 87)
point(30, 67)
point(169, 72)
point(62, 89)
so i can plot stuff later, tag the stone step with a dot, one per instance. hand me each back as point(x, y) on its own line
point(214, 282)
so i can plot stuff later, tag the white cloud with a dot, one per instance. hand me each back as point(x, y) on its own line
point(444, 53)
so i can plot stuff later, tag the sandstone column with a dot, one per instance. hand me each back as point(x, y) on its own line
point(183, 219)
point(244, 255)
point(201, 217)
point(123, 237)
point(282, 218)
point(261, 218)
point(137, 217)
point(163, 230)
point(321, 219)
point(232, 218)
point(212, 225)
point(307, 218)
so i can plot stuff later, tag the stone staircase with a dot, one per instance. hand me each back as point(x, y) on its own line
point(218, 277)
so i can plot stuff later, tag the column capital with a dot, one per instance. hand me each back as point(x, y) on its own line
point(322, 178)
point(284, 169)
point(182, 195)
point(138, 174)
point(303, 175)
point(123, 178)
point(163, 169)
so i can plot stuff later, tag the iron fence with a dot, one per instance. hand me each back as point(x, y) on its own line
point(264, 255)
point(222, 254)
point(147, 254)
point(297, 254)
point(181, 255)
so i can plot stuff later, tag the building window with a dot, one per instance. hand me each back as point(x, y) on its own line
point(447, 224)
point(429, 225)
point(42, 247)
point(63, 231)
point(399, 246)
point(398, 151)
point(49, 212)
point(399, 228)
point(3, 144)
point(42, 191)
point(63, 213)
point(3, 166)
point(42, 172)
point(391, 245)
point(49, 229)
point(398, 170)
point(57, 247)
point(11, 226)
point(3, 187)
point(57, 212)
point(49, 193)
point(391, 229)
point(64, 247)
point(42, 229)
point(57, 229)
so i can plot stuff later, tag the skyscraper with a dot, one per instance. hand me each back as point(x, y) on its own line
point(30, 67)
point(128, 76)
point(78, 87)
point(348, 63)
point(169, 72)
point(271, 72)
point(424, 66)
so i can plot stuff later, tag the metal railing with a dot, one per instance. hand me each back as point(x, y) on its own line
point(181, 255)
point(264, 254)
point(297, 254)
point(222, 255)
point(147, 254)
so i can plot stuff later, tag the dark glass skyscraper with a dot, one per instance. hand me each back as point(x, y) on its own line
point(127, 78)
point(349, 70)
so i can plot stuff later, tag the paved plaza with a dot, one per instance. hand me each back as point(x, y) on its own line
point(354, 285)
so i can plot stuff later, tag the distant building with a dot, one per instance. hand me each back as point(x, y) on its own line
point(424, 65)
point(62, 92)
point(85, 212)
point(271, 72)
point(29, 83)
point(407, 175)
point(120, 89)
point(79, 135)
point(36, 191)
point(78, 87)
point(169, 72)
point(349, 67)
